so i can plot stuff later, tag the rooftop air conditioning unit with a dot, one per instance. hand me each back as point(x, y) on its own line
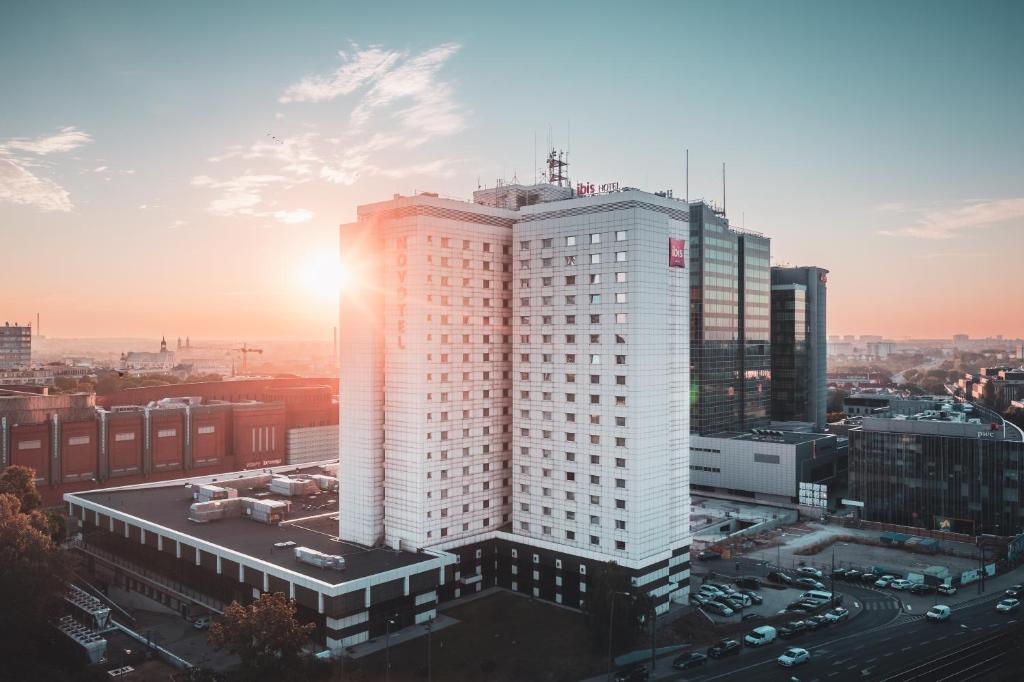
point(314, 558)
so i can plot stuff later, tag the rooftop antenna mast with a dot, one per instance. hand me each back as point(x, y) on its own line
point(723, 187)
point(557, 168)
point(687, 191)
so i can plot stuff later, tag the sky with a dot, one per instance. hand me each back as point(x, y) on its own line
point(181, 168)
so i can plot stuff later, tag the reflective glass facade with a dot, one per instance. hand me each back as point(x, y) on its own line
point(962, 484)
point(789, 353)
point(730, 333)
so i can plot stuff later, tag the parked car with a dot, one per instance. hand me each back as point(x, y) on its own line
point(760, 636)
point(719, 608)
point(815, 622)
point(946, 589)
point(938, 613)
point(792, 629)
point(921, 588)
point(809, 572)
point(837, 615)
point(809, 583)
point(752, 616)
point(839, 574)
point(779, 577)
point(708, 555)
point(900, 584)
point(749, 582)
point(816, 596)
point(869, 577)
point(1007, 605)
point(1015, 591)
point(852, 574)
point(800, 607)
point(633, 673)
point(884, 581)
point(201, 623)
point(726, 589)
point(744, 600)
point(755, 598)
point(698, 599)
point(725, 647)
point(690, 660)
point(793, 657)
point(711, 590)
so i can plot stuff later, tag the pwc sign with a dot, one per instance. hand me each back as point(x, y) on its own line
point(677, 253)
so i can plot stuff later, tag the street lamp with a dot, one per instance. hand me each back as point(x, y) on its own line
point(387, 648)
point(611, 621)
point(430, 627)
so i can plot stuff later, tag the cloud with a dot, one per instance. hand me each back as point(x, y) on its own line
point(21, 181)
point(99, 169)
point(18, 185)
point(950, 223)
point(65, 140)
point(406, 85)
point(240, 195)
point(299, 215)
point(358, 68)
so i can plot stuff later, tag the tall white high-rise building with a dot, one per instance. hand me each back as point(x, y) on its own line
point(515, 386)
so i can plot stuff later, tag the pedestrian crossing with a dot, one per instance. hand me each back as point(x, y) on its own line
point(880, 605)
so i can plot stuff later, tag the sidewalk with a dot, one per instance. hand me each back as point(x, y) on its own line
point(399, 636)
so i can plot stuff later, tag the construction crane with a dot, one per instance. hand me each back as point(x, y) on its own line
point(244, 350)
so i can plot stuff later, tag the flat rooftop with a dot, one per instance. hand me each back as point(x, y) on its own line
point(773, 436)
point(312, 522)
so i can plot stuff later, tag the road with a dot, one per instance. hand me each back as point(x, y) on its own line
point(882, 643)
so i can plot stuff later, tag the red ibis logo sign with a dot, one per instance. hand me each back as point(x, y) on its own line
point(677, 253)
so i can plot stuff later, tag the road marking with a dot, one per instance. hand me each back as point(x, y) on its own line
point(927, 641)
point(872, 660)
point(858, 648)
point(833, 674)
point(888, 654)
point(906, 648)
point(851, 666)
point(941, 638)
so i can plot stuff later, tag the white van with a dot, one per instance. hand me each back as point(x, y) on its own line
point(760, 636)
point(816, 596)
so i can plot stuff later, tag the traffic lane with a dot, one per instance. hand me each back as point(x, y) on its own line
point(837, 655)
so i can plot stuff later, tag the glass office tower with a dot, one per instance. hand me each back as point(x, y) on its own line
point(730, 332)
point(799, 345)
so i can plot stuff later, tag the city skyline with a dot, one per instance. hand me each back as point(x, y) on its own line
point(141, 156)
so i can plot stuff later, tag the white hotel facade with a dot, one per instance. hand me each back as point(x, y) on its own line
point(515, 387)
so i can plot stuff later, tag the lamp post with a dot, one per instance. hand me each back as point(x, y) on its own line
point(430, 627)
point(387, 648)
point(611, 624)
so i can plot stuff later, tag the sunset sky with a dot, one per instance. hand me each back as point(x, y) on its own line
point(181, 168)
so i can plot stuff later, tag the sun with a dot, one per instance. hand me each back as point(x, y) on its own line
point(322, 277)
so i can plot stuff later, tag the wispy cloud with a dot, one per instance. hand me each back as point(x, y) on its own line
point(22, 171)
point(950, 223)
point(64, 141)
point(386, 86)
point(392, 81)
point(358, 68)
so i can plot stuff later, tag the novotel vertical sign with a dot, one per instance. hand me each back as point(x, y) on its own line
point(677, 253)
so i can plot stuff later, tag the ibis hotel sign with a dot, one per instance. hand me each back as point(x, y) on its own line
point(586, 189)
point(677, 253)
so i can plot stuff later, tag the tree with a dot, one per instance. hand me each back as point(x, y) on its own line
point(32, 582)
point(20, 482)
point(264, 634)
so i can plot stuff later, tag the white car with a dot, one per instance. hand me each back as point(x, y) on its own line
point(794, 656)
point(201, 623)
point(809, 572)
point(711, 591)
point(946, 589)
point(760, 636)
point(1007, 605)
point(837, 615)
point(938, 613)
point(885, 581)
point(901, 584)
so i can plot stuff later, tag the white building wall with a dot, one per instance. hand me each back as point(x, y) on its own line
point(733, 464)
point(590, 458)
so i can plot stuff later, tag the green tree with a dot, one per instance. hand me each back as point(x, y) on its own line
point(32, 583)
point(264, 634)
point(20, 482)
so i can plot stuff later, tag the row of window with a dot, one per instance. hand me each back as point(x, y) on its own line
point(620, 524)
point(570, 496)
point(570, 240)
point(568, 261)
point(570, 299)
point(569, 457)
point(571, 338)
point(570, 280)
point(595, 399)
point(570, 437)
point(620, 318)
point(571, 417)
point(571, 476)
point(571, 535)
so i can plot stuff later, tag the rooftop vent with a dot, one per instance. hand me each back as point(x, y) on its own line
point(314, 558)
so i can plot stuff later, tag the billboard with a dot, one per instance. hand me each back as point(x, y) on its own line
point(813, 495)
point(677, 253)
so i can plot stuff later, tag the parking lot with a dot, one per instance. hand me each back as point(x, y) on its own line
point(775, 600)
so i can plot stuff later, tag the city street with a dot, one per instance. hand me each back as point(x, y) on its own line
point(889, 639)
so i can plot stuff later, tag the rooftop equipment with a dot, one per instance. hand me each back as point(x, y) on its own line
point(314, 558)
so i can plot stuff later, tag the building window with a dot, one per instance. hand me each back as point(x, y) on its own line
point(595, 239)
point(595, 259)
point(620, 256)
point(570, 241)
point(620, 235)
point(620, 277)
point(594, 540)
point(595, 298)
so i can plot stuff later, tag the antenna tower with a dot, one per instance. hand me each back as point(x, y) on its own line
point(558, 168)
